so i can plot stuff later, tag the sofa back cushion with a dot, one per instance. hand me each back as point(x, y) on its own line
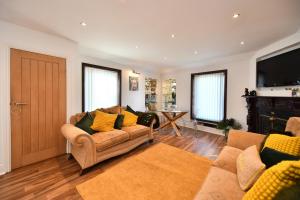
point(249, 167)
point(227, 158)
point(112, 110)
point(77, 117)
point(293, 126)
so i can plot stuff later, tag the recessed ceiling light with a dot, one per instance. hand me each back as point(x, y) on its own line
point(172, 36)
point(235, 15)
point(136, 46)
point(165, 58)
point(196, 52)
point(242, 43)
point(83, 24)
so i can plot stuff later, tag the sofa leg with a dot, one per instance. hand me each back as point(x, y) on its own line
point(151, 141)
point(70, 156)
point(84, 171)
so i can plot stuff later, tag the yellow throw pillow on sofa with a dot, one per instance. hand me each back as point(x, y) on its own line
point(104, 122)
point(283, 143)
point(130, 119)
point(283, 175)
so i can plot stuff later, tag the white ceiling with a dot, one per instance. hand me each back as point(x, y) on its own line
point(116, 27)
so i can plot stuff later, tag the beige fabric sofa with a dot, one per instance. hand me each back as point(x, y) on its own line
point(221, 181)
point(91, 149)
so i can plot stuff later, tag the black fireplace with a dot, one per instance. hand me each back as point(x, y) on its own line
point(270, 114)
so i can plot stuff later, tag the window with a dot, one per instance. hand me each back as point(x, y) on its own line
point(208, 96)
point(101, 87)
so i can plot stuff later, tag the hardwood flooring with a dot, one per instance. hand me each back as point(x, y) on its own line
point(56, 178)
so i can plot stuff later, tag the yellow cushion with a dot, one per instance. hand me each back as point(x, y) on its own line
point(104, 122)
point(249, 167)
point(274, 179)
point(284, 143)
point(130, 119)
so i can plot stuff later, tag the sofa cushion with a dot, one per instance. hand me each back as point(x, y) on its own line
point(275, 179)
point(227, 158)
point(119, 122)
point(130, 119)
point(129, 109)
point(104, 122)
point(271, 157)
point(136, 131)
point(284, 143)
point(220, 184)
point(105, 140)
point(85, 123)
point(249, 167)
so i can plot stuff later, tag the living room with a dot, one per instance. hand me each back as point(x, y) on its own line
point(120, 47)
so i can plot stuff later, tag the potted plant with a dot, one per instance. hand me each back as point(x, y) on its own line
point(228, 124)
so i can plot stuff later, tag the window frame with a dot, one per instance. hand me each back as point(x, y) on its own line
point(84, 65)
point(208, 122)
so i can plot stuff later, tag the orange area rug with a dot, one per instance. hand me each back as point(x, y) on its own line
point(161, 172)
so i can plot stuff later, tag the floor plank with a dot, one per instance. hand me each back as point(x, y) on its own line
point(56, 178)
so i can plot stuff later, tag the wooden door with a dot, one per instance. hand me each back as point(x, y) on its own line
point(38, 106)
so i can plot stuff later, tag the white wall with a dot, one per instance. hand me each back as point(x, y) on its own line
point(272, 48)
point(13, 36)
point(237, 80)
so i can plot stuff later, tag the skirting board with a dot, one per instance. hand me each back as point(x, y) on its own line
point(189, 124)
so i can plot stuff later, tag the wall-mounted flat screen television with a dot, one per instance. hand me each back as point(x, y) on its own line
point(280, 70)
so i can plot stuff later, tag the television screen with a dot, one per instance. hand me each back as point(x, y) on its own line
point(280, 70)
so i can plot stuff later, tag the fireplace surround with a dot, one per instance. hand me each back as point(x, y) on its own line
point(270, 113)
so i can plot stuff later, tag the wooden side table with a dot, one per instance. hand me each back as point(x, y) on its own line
point(171, 119)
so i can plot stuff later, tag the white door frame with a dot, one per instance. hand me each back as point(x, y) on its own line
point(5, 136)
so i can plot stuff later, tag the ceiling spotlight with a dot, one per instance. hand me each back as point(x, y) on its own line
point(195, 52)
point(83, 24)
point(242, 43)
point(165, 58)
point(235, 15)
point(136, 47)
point(172, 36)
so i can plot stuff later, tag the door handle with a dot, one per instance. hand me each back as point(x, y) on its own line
point(18, 103)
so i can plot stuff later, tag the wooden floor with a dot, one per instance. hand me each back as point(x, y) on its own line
point(56, 178)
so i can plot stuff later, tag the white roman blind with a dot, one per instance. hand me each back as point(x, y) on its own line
point(209, 96)
point(101, 88)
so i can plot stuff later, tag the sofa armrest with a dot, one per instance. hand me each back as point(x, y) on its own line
point(243, 139)
point(75, 135)
point(152, 129)
point(83, 145)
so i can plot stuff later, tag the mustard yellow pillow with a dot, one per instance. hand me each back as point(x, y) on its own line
point(284, 143)
point(130, 119)
point(104, 122)
point(249, 167)
point(283, 175)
